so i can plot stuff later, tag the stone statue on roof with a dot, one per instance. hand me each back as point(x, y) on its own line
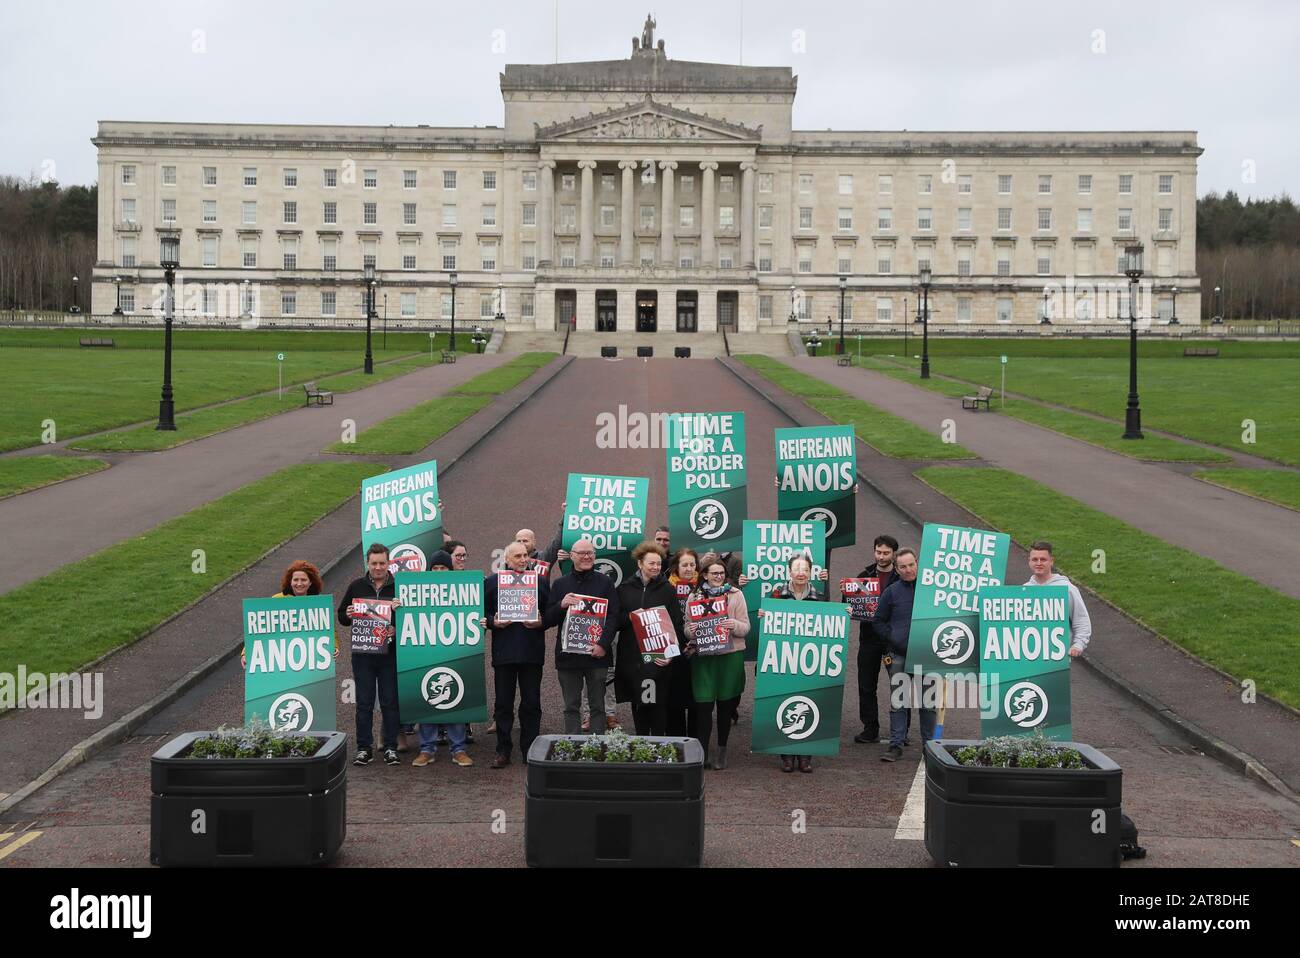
point(648, 33)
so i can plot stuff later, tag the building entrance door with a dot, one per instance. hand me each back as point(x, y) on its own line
point(647, 311)
point(566, 308)
point(687, 311)
point(606, 311)
point(728, 306)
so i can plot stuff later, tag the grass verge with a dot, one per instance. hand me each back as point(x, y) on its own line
point(1232, 622)
point(884, 432)
point(113, 597)
point(24, 473)
point(1275, 485)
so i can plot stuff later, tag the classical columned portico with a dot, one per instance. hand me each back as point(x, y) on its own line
point(668, 221)
point(708, 216)
point(626, 254)
point(747, 213)
point(586, 214)
point(546, 215)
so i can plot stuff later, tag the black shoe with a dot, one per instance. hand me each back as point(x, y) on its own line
point(390, 757)
point(364, 757)
point(469, 735)
point(893, 755)
point(867, 738)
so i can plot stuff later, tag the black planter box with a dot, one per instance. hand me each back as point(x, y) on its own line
point(614, 814)
point(256, 811)
point(1030, 817)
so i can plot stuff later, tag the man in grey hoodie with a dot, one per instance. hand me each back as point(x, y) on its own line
point(1040, 564)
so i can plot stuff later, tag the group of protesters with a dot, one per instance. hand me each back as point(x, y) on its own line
point(685, 695)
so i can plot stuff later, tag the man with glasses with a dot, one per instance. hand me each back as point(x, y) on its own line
point(575, 670)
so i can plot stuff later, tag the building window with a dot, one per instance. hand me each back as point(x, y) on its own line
point(1044, 183)
point(128, 251)
point(209, 176)
point(448, 214)
point(606, 255)
point(291, 211)
point(568, 217)
point(846, 184)
point(805, 182)
point(1166, 183)
point(925, 183)
point(128, 210)
point(646, 255)
point(331, 178)
point(408, 214)
point(686, 216)
point(765, 258)
point(369, 252)
point(328, 303)
point(805, 259)
point(726, 256)
point(963, 264)
point(804, 303)
point(568, 182)
point(408, 256)
point(924, 218)
point(369, 213)
point(1085, 182)
point(805, 217)
point(963, 309)
point(1126, 183)
point(485, 305)
point(607, 182)
point(1165, 220)
point(923, 258)
point(488, 255)
point(1004, 182)
point(765, 217)
point(248, 212)
point(209, 251)
point(489, 214)
point(169, 176)
point(885, 219)
point(1004, 262)
point(526, 305)
point(884, 310)
point(329, 255)
point(765, 182)
point(1004, 309)
point(844, 264)
point(289, 254)
point(844, 218)
point(884, 183)
point(1125, 221)
point(369, 179)
point(647, 217)
point(726, 183)
point(128, 299)
point(408, 305)
point(290, 178)
point(1044, 263)
point(169, 211)
point(448, 179)
point(409, 180)
point(963, 218)
point(528, 256)
point(965, 183)
point(529, 179)
point(448, 255)
point(250, 176)
point(1085, 221)
point(330, 212)
point(209, 211)
point(1045, 219)
point(489, 179)
point(444, 310)
point(726, 217)
point(209, 302)
point(568, 256)
point(765, 306)
point(687, 183)
point(686, 257)
point(1004, 217)
point(529, 217)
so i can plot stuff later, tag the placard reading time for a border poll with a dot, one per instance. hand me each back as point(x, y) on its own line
point(955, 563)
point(400, 509)
point(289, 651)
point(768, 546)
point(707, 495)
point(799, 682)
point(610, 510)
point(816, 470)
point(1025, 660)
point(441, 676)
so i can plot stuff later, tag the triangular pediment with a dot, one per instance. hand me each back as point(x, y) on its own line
point(649, 120)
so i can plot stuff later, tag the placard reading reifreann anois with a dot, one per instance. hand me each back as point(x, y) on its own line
point(289, 651)
point(816, 470)
point(400, 510)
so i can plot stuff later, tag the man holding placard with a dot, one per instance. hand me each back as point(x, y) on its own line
point(585, 604)
point(374, 667)
point(893, 623)
point(610, 512)
point(289, 679)
point(863, 596)
point(514, 599)
point(1040, 564)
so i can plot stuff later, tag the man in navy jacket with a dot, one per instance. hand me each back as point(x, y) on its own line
point(572, 669)
point(518, 655)
point(893, 624)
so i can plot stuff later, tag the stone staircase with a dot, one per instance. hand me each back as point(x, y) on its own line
point(585, 344)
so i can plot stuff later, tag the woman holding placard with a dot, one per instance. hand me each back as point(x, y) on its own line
point(683, 576)
point(717, 621)
point(645, 678)
point(799, 589)
point(301, 578)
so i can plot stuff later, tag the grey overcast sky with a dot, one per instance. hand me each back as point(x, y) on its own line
point(1229, 70)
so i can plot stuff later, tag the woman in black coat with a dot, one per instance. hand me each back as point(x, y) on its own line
point(647, 588)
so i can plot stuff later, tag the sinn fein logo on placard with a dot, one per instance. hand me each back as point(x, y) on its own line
point(709, 518)
point(953, 642)
point(442, 687)
point(798, 717)
point(291, 712)
point(1025, 704)
point(407, 558)
point(610, 568)
point(821, 514)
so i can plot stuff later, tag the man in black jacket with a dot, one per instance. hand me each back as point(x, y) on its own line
point(572, 669)
point(871, 649)
point(518, 654)
point(893, 624)
point(374, 670)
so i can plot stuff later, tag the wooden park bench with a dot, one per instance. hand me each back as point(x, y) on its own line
point(322, 397)
point(845, 360)
point(448, 356)
point(984, 394)
point(96, 341)
point(1201, 351)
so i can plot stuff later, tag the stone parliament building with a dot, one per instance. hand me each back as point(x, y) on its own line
point(644, 194)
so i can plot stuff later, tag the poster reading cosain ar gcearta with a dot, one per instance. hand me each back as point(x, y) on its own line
point(400, 510)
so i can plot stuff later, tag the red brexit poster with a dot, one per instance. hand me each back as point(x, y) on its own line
point(371, 619)
point(862, 596)
point(655, 634)
point(711, 636)
point(543, 569)
point(583, 624)
point(517, 596)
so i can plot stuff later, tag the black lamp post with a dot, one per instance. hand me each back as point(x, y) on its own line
point(246, 304)
point(1173, 319)
point(451, 279)
point(76, 297)
point(926, 276)
point(385, 319)
point(1133, 414)
point(368, 273)
point(1217, 318)
point(844, 285)
point(501, 304)
point(1046, 319)
point(117, 287)
point(169, 258)
point(793, 290)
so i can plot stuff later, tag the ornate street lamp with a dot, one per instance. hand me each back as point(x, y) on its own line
point(169, 258)
point(76, 296)
point(1133, 414)
point(1173, 320)
point(501, 304)
point(117, 286)
point(368, 273)
point(451, 279)
point(1217, 318)
point(1046, 319)
point(844, 285)
point(926, 277)
point(793, 290)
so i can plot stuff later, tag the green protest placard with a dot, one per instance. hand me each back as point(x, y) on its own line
point(289, 650)
point(816, 470)
point(799, 683)
point(954, 564)
point(400, 509)
point(765, 554)
point(1025, 660)
point(609, 510)
point(707, 496)
point(441, 675)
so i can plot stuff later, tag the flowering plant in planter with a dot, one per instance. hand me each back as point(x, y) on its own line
point(256, 740)
point(616, 746)
point(1008, 751)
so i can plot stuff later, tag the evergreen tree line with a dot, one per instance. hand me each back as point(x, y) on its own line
point(1251, 250)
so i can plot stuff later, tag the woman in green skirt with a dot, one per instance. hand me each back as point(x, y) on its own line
point(718, 679)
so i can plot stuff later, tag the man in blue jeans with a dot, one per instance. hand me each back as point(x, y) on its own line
point(374, 671)
point(456, 736)
point(893, 623)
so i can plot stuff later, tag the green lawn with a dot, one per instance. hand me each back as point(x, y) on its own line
point(888, 434)
point(21, 473)
point(1050, 346)
point(1203, 399)
point(224, 339)
point(1275, 485)
point(413, 429)
point(1229, 620)
point(110, 599)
